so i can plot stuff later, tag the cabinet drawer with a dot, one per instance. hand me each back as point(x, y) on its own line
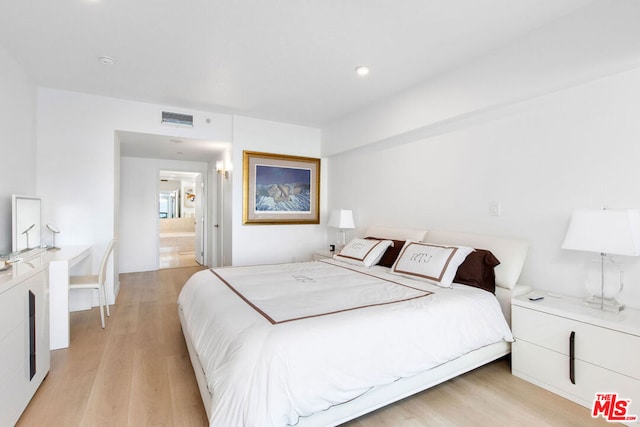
point(14, 309)
point(14, 400)
point(14, 354)
point(550, 370)
point(593, 344)
point(19, 378)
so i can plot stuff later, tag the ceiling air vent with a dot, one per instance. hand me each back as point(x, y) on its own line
point(177, 119)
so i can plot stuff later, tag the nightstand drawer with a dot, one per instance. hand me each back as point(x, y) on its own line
point(593, 344)
point(550, 370)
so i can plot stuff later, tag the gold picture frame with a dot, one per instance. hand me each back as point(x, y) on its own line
point(280, 189)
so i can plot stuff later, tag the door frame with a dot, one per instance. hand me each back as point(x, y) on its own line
point(202, 195)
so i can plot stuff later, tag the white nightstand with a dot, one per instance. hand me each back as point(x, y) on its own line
point(576, 351)
point(322, 254)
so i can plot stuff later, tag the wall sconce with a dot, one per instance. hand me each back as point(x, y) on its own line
point(221, 170)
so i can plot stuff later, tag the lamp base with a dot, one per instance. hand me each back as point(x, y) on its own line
point(604, 282)
point(341, 240)
point(604, 304)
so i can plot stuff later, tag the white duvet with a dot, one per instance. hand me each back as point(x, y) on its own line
point(271, 355)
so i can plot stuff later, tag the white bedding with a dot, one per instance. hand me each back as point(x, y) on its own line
point(270, 359)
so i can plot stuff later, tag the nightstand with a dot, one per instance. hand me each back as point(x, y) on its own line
point(576, 351)
point(322, 254)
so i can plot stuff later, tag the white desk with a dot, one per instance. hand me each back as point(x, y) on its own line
point(60, 263)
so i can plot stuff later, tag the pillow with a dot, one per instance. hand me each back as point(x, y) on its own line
point(363, 252)
point(392, 252)
point(432, 263)
point(478, 270)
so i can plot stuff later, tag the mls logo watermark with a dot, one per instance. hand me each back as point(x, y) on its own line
point(612, 408)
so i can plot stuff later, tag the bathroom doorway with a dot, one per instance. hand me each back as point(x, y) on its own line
point(181, 200)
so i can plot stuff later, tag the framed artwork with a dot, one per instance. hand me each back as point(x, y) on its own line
point(280, 189)
point(189, 197)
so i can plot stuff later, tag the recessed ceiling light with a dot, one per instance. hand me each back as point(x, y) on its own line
point(106, 60)
point(362, 70)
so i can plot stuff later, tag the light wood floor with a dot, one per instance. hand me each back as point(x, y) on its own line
point(171, 258)
point(176, 252)
point(136, 372)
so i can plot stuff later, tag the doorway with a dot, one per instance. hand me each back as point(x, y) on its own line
point(142, 157)
point(181, 201)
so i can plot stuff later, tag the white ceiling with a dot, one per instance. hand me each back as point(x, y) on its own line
point(185, 177)
point(285, 60)
point(133, 144)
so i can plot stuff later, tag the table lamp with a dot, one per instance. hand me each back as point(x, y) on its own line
point(343, 220)
point(607, 232)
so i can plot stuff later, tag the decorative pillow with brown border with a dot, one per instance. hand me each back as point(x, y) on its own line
point(363, 252)
point(432, 263)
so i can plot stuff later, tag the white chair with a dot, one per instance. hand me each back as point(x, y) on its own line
point(96, 282)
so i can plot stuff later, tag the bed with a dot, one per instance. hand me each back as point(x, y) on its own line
point(320, 343)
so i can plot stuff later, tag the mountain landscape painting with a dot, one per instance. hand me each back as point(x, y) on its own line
point(280, 189)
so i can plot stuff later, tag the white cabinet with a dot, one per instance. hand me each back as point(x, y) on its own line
point(24, 335)
point(577, 351)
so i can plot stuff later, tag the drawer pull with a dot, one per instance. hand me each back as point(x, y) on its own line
point(32, 335)
point(572, 357)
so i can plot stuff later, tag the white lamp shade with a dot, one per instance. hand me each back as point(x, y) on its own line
point(608, 231)
point(342, 219)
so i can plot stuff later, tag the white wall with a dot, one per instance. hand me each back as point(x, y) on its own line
point(598, 40)
point(540, 159)
point(79, 167)
point(256, 244)
point(78, 158)
point(543, 124)
point(139, 209)
point(18, 141)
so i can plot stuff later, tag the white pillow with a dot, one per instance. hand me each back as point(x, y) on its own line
point(363, 251)
point(435, 264)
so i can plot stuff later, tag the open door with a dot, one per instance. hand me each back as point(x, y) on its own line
point(200, 220)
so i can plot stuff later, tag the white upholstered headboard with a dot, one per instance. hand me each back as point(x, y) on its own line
point(396, 233)
point(511, 253)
